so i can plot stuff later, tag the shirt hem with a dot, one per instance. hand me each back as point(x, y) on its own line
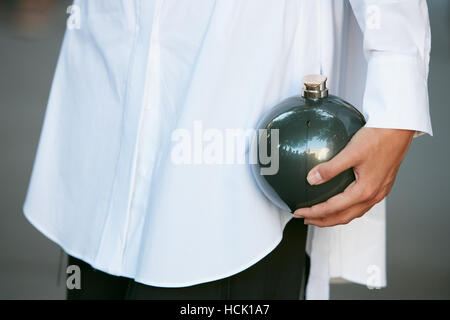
point(77, 255)
point(209, 279)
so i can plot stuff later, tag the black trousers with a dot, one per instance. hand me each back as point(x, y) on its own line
point(282, 274)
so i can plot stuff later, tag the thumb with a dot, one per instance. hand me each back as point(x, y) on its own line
point(327, 170)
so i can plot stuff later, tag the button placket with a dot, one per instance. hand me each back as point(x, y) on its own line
point(142, 160)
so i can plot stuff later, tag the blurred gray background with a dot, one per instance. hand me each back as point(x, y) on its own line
point(31, 31)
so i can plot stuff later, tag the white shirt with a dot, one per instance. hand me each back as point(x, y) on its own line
point(105, 185)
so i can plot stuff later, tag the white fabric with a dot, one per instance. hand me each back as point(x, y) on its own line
point(104, 186)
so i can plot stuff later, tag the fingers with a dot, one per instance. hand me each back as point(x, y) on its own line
point(347, 215)
point(341, 218)
point(375, 155)
point(344, 200)
point(325, 171)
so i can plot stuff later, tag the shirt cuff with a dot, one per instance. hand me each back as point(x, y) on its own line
point(396, 93)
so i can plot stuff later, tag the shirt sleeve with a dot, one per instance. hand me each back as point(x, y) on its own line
point(397, 41)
